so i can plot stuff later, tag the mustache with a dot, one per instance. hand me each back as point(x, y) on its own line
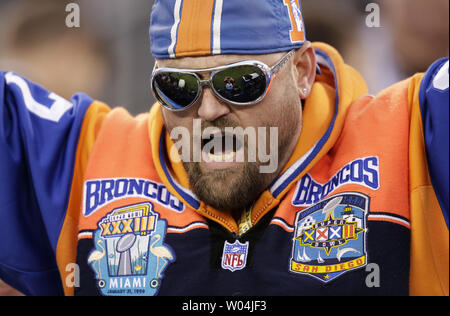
point(220, 123)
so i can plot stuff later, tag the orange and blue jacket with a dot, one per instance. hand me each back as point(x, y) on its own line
point(91, 203)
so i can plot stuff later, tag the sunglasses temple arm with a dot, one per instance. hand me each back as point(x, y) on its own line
point(276, 68)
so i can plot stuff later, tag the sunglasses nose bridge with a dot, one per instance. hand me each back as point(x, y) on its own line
point(203, 83)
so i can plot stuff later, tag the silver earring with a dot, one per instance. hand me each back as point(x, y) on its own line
point(305, 91)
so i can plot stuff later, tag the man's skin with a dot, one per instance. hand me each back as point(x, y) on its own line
point(282, 108)
point(6, 290)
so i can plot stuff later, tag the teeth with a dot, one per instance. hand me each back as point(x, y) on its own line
point(222, 157)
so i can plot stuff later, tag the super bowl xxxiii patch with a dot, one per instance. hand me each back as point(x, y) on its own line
point(330, 237)
point(130, 256)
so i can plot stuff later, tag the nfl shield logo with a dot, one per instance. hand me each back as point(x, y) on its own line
point(234, 256)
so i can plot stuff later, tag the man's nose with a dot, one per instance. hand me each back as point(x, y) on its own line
point(210, 107)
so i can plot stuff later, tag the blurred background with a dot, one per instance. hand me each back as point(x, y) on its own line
point(109, 57)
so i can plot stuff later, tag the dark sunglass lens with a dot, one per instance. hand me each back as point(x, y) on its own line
point(241, 84)
point(176, 90)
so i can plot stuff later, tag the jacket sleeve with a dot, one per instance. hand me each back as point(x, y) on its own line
point(38, 140)
point(434, 107)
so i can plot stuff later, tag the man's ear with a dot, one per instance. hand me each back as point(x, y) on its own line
point(305, 66)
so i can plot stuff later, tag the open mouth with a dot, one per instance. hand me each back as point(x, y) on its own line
point(222, 147)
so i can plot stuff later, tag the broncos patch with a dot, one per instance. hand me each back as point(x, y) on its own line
point(330, 237)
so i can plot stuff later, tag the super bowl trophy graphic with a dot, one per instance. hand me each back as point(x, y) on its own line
point(123, 247)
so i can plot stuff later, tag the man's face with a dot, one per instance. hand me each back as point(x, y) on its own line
point(219, 180)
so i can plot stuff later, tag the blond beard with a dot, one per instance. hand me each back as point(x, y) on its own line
point(235, 189)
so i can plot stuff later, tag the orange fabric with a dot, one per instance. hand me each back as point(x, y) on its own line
point(66, 249)
point(429, 233)
point(429, 245)
point(194, 32)
point(362, 121)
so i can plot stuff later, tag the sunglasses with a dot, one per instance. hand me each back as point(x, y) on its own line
point(242, 83)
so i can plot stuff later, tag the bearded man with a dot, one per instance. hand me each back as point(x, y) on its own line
point(294, 182)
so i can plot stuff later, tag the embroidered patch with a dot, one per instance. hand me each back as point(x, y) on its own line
point(234, 256)
point(100, 192)
point(130, 256)
point(364, 172)
point(330, 237)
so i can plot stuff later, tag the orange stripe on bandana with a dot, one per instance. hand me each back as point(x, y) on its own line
point(194, 33)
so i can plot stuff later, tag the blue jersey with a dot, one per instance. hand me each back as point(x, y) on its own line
point(39, 136)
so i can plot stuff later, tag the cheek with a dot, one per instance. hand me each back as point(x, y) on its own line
point(286, 115)
point(173, 120)
point(282, 107)
point(179, 128)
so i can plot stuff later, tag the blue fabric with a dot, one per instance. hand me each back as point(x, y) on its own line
point(255, 27)
point(246, 27)
point(37, 156)
point(191, 200)
point(162, 20)
point(434, 104)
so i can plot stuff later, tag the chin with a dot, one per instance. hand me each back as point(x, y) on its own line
point(228, 189)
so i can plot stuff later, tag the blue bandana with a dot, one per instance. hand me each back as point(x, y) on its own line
point(210, 27)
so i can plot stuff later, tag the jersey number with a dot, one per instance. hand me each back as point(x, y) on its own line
point(52, 113)
point(441, 81)
point(297, 32)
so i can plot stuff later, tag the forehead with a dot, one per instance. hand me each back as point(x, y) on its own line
point(202, 62)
